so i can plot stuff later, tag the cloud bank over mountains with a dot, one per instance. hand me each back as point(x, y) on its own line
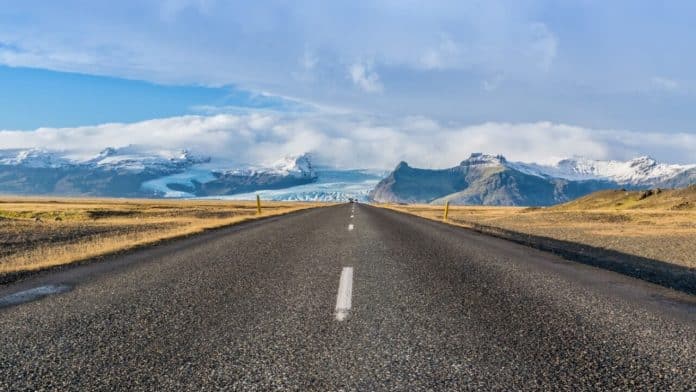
point(570, 62)
point(369, 83)
point(357, 141)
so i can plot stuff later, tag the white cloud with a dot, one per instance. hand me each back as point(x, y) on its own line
point(492, 83)
point(543, 45)
point(665, 84)
point(443, 56)
point(308, 60)
point(432, 61)
point(304, 48)
point(256, 46)
point(170, 9)
point(358, 141)
point(364, 77)
point(40, 58)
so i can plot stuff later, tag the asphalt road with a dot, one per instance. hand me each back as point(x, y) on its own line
point(426, 306)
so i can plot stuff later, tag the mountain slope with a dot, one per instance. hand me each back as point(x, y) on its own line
point(684, 178)
point(407, 184)
point(639, 171)
point(492, 180)
point(138, 172)
point(332, 185)
point(110, 173)
point(652, 199)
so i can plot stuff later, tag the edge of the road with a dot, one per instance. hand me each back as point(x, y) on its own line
point(664, 274)
point(107, 261)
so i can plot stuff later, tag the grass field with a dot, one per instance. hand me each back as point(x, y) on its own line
point(657, 225)
point(36, 233)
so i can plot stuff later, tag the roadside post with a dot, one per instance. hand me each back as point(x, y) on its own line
point(258, 204)
point(446, 209)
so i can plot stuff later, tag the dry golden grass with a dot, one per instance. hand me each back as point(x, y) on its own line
point(655, 199)
point(37, 233)
point(660, 226)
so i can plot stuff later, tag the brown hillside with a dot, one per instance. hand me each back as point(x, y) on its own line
point(654, 199)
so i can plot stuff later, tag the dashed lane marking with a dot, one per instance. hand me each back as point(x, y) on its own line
point(345, 293)
point(32, 294)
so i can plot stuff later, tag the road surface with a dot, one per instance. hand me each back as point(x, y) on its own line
point(344, 298)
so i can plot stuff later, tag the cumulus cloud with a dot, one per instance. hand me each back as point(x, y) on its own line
point(358, 141)
point(364, 77)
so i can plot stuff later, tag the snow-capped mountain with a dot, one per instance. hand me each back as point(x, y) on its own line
point(493, 180)
point(131, 158)
point(635, 172)
point(211, 180)
point(481, 159)
point(135, 158)
point(34, 157)
point(295, 166)
point(641, 170)
point(136, 171)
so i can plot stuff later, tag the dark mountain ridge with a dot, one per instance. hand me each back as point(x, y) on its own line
point(492, 180)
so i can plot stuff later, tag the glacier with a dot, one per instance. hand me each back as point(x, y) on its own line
point(332, 185)
point(140, 171)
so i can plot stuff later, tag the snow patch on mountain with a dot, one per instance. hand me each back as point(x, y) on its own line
point(135, 158)
point(638, 171)
point(33, 158)
point(481, 159)
point(294, 166)
point(130, 158)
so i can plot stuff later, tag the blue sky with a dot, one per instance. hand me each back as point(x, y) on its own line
point(33, 98)
point(622, 71)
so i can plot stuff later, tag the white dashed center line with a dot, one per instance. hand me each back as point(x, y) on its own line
point(345, 292)
point(350, 227)
point(32, 294)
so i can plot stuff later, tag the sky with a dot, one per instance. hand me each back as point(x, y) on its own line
point(356, 83)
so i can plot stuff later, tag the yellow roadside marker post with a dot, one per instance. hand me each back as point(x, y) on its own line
point(258, 204)
point(446, 209)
